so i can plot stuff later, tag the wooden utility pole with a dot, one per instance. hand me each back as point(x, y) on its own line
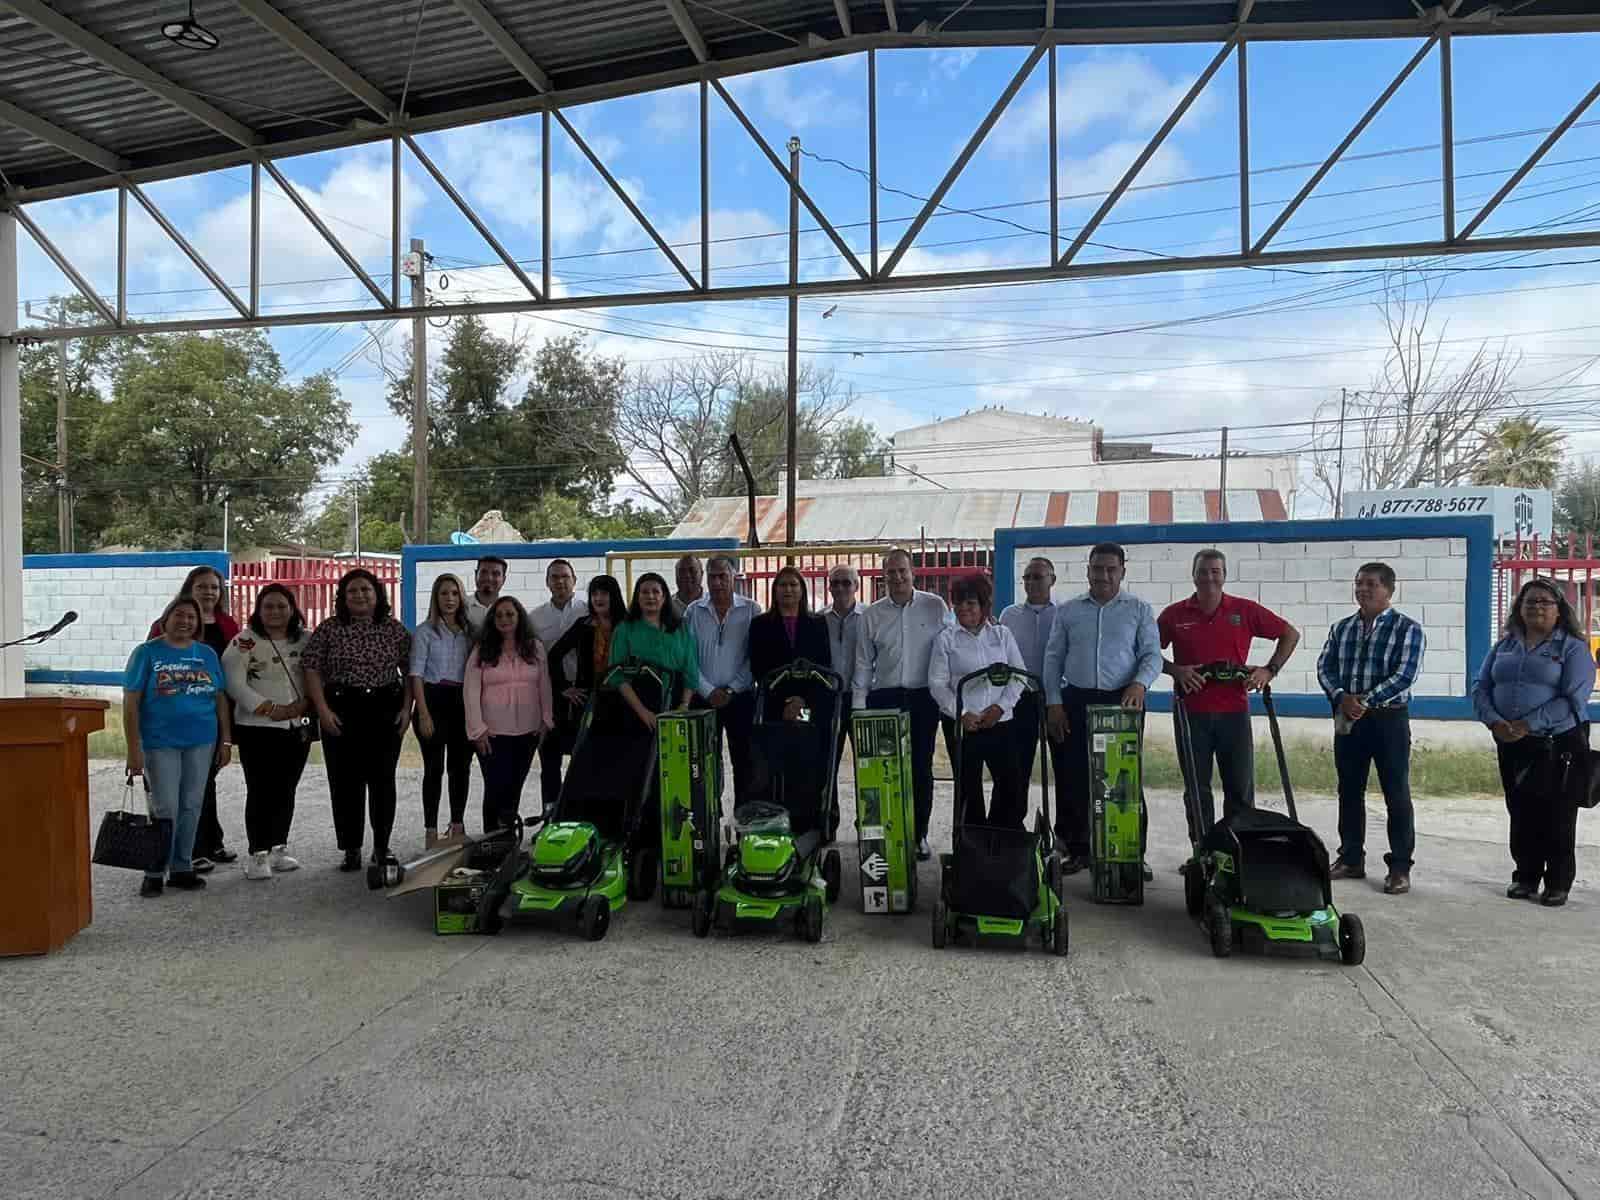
point(419, 396)
point(1222, 481)
point(792, 420)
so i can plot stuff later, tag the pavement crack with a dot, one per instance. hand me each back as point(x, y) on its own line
point(1471, 1119)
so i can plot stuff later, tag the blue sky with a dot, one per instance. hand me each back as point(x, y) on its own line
point(1062, 348)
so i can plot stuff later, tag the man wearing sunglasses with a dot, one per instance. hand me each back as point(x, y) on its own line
point(720, 622)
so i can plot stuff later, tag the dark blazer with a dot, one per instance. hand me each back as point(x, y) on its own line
point(770, 649)
point(579, 637)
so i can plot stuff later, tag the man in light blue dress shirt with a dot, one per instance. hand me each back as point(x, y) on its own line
point(1030, 623)
point(1103, 649)
point(720, 622)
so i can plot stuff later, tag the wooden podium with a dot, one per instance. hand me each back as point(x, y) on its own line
point(45, 896)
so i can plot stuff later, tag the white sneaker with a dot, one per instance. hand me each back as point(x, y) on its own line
point(258, 867)
point(281, 861)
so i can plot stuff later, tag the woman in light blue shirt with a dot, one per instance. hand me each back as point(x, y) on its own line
point(439, 649)
point(1533, 693)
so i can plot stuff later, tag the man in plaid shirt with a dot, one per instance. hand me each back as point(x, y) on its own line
point(1367, 670)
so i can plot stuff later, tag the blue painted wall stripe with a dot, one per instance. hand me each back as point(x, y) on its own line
point(165, 558)
point(81, 678)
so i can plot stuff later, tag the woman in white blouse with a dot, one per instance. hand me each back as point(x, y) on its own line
point(973, 643)
point(262, 667)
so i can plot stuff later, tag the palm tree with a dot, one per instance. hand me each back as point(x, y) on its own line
point(1519, 452)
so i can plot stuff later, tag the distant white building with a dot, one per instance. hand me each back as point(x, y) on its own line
point(998, 448)
point(992, 469)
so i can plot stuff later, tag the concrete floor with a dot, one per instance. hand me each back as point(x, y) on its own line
point(306, 1038)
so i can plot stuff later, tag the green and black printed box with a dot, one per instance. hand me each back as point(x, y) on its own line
point(690, 790)
point(884, 822)
point(1116, 805)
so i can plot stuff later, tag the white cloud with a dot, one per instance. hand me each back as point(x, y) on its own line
point(793, 102)
point(1111, 94)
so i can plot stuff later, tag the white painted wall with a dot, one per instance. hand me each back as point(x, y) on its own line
point(1310, 585)
point(115, 606)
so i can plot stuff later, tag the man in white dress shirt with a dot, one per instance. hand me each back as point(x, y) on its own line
point(487, 581)
point(891, 671)
point(1029, 623)
point(551, 620)
point(720, 622)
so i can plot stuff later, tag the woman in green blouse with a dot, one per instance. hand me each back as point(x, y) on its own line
point(653, 634)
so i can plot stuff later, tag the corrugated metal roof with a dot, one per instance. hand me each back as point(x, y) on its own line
point(973, 515)
point(589, 49)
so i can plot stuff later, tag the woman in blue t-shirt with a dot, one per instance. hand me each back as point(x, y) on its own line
point(174, 705)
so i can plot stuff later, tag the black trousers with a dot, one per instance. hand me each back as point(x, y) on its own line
point(735, 720)
point(1072, 771)
point(272, 760)
point(552, 747)
point(1024, 726)
point(995, 748)
point(1229, 739)
point(505, 771)
point(361, 761)
point(845, 733)
point(919, 703)
point(208, 835)
point(1542, 792)
point(1382, 738)
point(447, 750)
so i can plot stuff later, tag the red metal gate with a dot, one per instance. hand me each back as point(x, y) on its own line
point(1568, 560)
point(312, 580)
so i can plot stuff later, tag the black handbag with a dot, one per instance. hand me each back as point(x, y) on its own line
point(132, 840)
point(1586, 761)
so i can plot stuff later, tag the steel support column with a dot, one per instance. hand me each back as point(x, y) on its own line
point(10, 464)
point(1243, 64)
point(1055, 151)
point(1447, 136)
point(872, 156)
point(544, 199)
point(122, 258)
point(705, 185)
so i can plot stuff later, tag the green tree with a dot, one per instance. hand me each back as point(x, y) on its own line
point(1577, 500)
point(382, 495)
point(566, 518)
point(506, 427)
point(1520, 452)
point(196, 420)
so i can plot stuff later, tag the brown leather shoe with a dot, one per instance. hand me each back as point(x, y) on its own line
point(1398, 883)
point(1343, 870)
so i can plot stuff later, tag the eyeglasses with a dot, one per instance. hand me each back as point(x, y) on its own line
point(1536, 602)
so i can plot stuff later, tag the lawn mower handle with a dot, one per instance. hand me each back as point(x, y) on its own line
point(1277, 749)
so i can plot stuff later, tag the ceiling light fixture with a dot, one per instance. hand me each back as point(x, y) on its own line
point(189, 33)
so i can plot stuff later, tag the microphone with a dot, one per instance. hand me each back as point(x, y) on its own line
point(43, 635)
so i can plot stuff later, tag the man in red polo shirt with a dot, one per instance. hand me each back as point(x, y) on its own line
point(1211, 627)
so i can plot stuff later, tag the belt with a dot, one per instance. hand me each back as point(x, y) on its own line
point(1392, 710)
point(444, 683)
point(347, 689)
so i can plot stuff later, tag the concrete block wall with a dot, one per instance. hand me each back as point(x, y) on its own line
point(1304, 571)
point(116, 597)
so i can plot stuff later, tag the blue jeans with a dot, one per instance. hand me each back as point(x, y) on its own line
point(177, 778)
point(1382, 738)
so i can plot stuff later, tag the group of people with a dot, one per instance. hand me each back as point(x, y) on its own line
point(482, 678)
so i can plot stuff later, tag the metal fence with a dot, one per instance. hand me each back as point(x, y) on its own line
point(312, 580)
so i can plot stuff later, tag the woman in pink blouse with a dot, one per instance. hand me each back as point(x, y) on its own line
point(509, 707)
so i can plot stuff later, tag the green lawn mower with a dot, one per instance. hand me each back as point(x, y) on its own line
point(590, 859)
point(1259, 879)
point(777, 870)
point(998, 884)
